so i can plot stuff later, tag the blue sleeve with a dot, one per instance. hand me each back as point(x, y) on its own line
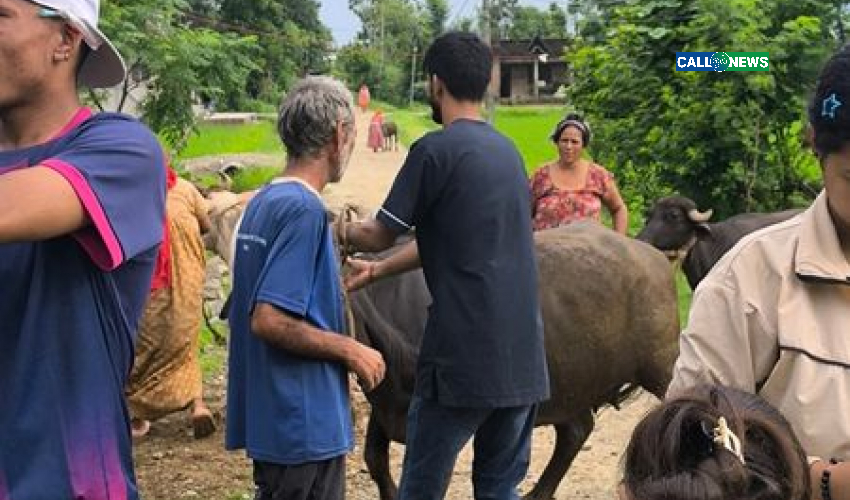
point(288, 276)
point(419, 182)
point(116, 166)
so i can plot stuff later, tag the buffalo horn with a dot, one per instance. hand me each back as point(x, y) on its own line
point(698, 217)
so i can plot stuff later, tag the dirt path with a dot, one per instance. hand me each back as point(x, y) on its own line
point(171, 465)
point(369, 175)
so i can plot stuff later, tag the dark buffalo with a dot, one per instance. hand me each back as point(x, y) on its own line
point(611, 325)
point(390, 131)
point(676, 227)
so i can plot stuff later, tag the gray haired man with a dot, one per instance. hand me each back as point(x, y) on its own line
point(287, 400)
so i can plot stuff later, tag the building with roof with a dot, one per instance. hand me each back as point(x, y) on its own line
point(518, 64)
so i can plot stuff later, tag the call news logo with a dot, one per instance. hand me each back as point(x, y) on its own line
point(722, 61)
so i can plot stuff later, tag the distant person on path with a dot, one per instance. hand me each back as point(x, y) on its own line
point(82, 206)
point(288, 365)
point(376, 132)
point(481, 369)
point(363, 98)
point(166, 374)
point(573, 188)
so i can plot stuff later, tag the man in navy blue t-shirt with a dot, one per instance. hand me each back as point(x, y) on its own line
point(287, 392)
point(481, 367)
point(82, 206)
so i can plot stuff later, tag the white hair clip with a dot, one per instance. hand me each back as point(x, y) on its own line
point(723, 436)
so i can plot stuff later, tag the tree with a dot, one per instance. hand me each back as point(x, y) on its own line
point(359, 64)
point(463, 24)
point(292, 39)
point(522, 22)
point(438, 13)
point(390, 31)
point(174, 62)
point(732, 140)
point(592, 17)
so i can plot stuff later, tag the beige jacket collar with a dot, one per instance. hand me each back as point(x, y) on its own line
point(818, 256)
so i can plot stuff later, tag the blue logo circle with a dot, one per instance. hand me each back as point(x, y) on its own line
point(720, 61)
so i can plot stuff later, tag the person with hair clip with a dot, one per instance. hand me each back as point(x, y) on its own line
point(772, 316)
point(573, 188)
point(714, 442)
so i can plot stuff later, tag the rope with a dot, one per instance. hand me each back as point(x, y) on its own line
point(346, 216)
point(677, 257)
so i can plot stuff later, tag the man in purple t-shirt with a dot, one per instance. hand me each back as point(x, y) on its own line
point(81, 218)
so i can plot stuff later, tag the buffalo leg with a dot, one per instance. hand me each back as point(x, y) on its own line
point(376, 453)
point(570, 436)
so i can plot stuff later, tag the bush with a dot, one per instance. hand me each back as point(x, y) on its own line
point(253, 178)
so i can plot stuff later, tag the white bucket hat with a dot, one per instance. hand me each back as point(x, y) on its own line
point(103, 67)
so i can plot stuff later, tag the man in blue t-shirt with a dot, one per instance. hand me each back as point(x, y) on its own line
point(481, 368)
point(82, 205)
point(287, 391)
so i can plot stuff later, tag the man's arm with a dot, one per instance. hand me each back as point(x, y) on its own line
point(410, 196)
point(298, 337)
point(365, 271)
point(369, 236)
point(619, 213)
point(38, 203)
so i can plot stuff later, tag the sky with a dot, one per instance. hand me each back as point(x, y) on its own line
point(344, 24)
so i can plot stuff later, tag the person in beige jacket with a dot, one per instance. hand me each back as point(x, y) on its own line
point(773, 315)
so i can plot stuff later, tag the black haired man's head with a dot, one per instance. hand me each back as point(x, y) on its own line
point(463, 63)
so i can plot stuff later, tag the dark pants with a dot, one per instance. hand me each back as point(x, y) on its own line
point(436, 434)
point(311, 481)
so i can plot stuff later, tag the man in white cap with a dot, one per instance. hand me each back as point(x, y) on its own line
point(81, 218)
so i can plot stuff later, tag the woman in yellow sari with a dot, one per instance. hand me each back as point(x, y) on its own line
point(166, 374)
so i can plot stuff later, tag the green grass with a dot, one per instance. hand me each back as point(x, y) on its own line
point(213, 355)
point(257, 137)
point(528, 126)
point(254, 177)
point(201, 180)
point(412, 122)
point(684, 297)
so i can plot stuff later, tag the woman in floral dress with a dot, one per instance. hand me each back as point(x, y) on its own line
point(573, 188)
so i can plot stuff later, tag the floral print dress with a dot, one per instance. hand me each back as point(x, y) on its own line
point(552, 206)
